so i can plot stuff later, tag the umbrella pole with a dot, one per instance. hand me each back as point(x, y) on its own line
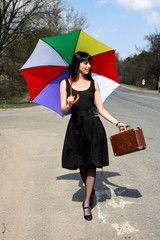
point(73, 102)
point(71, 85)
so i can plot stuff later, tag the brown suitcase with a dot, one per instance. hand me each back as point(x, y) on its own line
point(128, 141)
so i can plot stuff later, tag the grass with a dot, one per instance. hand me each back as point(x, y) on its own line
point(16, 102)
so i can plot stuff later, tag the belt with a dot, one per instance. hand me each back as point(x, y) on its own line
point(93, 112)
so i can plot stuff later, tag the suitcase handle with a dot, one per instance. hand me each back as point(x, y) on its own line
point(128, 128)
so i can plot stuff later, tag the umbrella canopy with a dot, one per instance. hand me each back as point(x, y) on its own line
point(49, 65)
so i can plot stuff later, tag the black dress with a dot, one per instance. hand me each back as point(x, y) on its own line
point(85, 144)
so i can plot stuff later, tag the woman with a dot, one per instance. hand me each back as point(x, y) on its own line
point(85, 145)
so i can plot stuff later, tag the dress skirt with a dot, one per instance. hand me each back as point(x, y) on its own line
point(85, 144)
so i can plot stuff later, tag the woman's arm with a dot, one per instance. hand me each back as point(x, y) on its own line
point(102, 110)
point(65, 102)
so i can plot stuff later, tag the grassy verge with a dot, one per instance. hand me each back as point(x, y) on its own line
point(16, 102)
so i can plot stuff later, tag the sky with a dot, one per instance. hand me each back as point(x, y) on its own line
point(120, 24)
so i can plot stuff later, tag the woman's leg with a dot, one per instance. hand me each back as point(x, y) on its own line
point(83, 173)
point(90, 181)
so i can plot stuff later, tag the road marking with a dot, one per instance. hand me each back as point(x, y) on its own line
point(113, 203)
point(120, 204)
point(101, 215)
point(124, 228)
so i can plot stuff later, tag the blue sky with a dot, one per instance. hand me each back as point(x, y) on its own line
point(121, 24)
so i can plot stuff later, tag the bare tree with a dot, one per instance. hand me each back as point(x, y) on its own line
point(22, 23)
point(153, 42)
point(154, 50)
point(24, 16)
point(15, 16)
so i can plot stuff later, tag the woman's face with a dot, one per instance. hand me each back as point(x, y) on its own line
point(85, 67)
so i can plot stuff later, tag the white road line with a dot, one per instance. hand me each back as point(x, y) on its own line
point(117, 203)
point(124, 228)
point(120, 204)
point(101, 215)
point(112, 202)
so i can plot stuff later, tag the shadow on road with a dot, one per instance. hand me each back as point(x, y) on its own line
point(102, 184)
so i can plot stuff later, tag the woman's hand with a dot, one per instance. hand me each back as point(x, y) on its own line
point(65, 102)
point(69, 100)
point(122, 126)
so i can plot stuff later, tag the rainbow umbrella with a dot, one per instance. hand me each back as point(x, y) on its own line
point(49, 65)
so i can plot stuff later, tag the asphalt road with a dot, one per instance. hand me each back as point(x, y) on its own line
point(141, 98)
point(41, 201)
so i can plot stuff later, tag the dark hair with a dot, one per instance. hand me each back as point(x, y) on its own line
point(79, 57)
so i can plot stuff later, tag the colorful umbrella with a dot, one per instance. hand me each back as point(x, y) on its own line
point(49, 65)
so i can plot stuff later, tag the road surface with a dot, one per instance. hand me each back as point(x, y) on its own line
point(41, 201)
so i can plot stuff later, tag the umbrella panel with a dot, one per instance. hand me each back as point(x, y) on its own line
point(37, 78)
point(64, 44)
point(44, 55)
point(46, 96)
point(104, 64)
point(88, 44)
point(106, 85)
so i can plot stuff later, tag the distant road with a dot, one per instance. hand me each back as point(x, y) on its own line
point(145, 99)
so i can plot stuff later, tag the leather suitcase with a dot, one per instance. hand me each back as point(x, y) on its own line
point(128, 141)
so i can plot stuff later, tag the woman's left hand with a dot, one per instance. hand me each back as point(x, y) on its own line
point(122, 126)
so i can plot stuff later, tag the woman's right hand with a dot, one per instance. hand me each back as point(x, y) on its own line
point(70, 99)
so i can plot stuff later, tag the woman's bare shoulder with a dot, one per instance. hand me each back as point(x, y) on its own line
point(96, 84)
point(63, 83)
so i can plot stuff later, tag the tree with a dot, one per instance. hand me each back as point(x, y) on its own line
point(24, 16)
point(22, 23)
point(15, 14)
point(145, 65)
point(154, 50)
point(119, 66)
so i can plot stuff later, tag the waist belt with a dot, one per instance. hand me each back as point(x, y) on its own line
point(93, 112)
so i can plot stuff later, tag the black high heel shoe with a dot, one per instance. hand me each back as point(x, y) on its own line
point(91, 202)
point(87, 217)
